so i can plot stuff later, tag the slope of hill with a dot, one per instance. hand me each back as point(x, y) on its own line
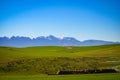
point(52, 59)
point(11, 53)
point(49, 41)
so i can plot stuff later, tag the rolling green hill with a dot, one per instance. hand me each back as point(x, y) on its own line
point(52, 59)
point(10, 53)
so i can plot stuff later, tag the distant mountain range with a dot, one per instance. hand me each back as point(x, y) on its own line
point(49, 41)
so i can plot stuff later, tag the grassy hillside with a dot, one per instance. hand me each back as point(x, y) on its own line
point(10, 53)
point(52, 59)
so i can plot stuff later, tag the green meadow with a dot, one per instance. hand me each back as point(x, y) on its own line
point(35, 63)
point(111, 76)
point(11, 53)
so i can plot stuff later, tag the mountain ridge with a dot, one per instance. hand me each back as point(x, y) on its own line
point(21, 41)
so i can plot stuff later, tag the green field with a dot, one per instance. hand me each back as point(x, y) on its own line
point(27, 63)
point(10, 54)
point(111, 76)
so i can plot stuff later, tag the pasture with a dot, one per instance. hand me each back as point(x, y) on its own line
point(11, 53)
point(27, 63)
point(109, 76)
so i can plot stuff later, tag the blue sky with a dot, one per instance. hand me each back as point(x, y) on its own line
point(82, 19)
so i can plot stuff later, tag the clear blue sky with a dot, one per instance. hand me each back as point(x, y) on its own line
point(82, 19)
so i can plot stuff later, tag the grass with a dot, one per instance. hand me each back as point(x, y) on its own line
point(108, 76)
point(10, 53)
point(27, 63)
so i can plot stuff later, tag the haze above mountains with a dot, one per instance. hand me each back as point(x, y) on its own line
point(49, 41)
